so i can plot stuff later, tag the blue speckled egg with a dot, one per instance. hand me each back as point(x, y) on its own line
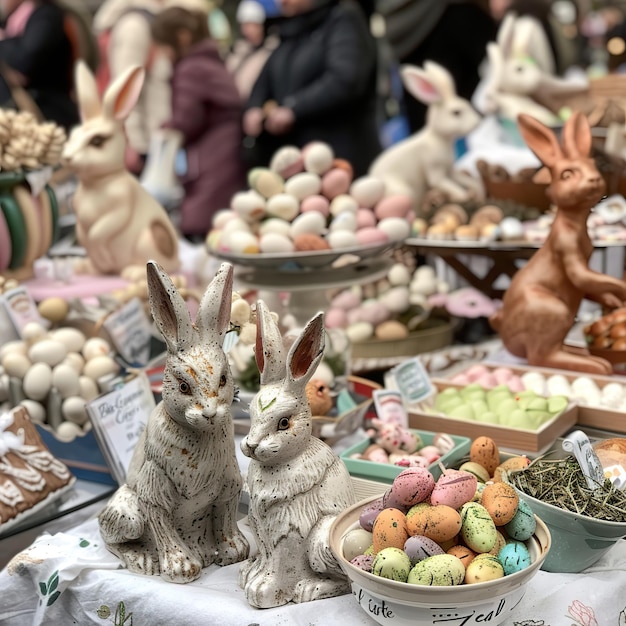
point(514, 557)
point(523, 524)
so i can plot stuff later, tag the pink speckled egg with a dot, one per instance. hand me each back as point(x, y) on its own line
point(454, 488)
point(412, 485)
point(371, 236)
point(430, 453)
point(315, 203)
point(393, 206)
point(346, 300)
point(335, 182)
point(365, 218)
point(336, 318)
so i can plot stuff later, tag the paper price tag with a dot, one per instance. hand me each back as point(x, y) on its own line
point(412, 381)
point(119, 417)
point(131, 332)
point(21, 309)
point(390, 407)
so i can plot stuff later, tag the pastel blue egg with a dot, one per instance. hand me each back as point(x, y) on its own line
point(514, 557)
point(522, 526)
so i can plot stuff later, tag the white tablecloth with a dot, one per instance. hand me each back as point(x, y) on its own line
point(70, 578)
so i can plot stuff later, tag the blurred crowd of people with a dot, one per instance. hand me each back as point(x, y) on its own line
point(278, 72)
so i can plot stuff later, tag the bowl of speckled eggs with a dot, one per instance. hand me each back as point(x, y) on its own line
point(452, 550)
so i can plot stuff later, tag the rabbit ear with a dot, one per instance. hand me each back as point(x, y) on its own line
point(87, 92)
point(306, 352)
point(420, 84)
point(540, 139)
point(122, 95)
point(522, 36)
point(169, 310)
point(506, 34)
point(213, 317)
point(269, 350)
point(440, 77)
point(577, 136)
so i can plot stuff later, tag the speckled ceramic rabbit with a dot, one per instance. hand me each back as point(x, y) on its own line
point(177, 511)
point(117, 221)
point(540, 305)
point(297, 484)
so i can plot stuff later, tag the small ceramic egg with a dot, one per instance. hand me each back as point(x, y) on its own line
point(511, 229)
point(393, 206)
point(275, 225)
point(367, 191)
point(221, 217)
point(315, 203)
point(523, 524)
point(343, 202)
point(347, 299)
point(72, 338)
point(88, 390)
point(418, 548)
point(275, 242)
point(439, 570)
point(502, 374)
point(437, 522)
point(343, 164)
point(389, 530)
point(68, 431)
point(13, 347)
point(514, 557)
point(100, 366)
point(396, 228)
point(360, 332)
point(235, 225)
point(335, 182)
point(243, 243)
point(485, 452)
point(399, 275)
point(392, 563)
point(318, 157)
point(16, 365)
point(336, 318)
point(54, 309)
point(369, 513)
point(311, 223)
point(75, 360)
point(48, 351)
point(344, 221)
point(339, 239)
point(265, 182)
point(355, 542)
point(484, 567)
point(454, 488)
point(374, 312)
point(36, 410)
point(396, 299)
point(303, 185)
point(371, 236)
point(37, 381)
point(501, 501)
point(73, 409)
point(412, 485)
point(284, 206)
point(477, 470)
point(287, 161)
point(65, 380)
point(248, 205)
point(463, 553)
point(33, 331)
point(310, 242)
point(390, 330)
point(478, 530)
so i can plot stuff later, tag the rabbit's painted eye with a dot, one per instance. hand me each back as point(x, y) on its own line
point(183, 386)
point(565, 174)
point(97, 141)
point(222, 380)
point(283, 423)
point(456, 112)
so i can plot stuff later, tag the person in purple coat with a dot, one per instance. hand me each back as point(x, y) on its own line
point(206, 109)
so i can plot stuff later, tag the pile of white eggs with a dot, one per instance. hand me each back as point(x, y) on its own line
point(307, 200)
point(53, 374)
point(583, 390)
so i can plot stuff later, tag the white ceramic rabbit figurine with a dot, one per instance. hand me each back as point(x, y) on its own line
point(520, 70)
point(297, 484)
point(426, 159)
point(177, 511)
point(117, 221)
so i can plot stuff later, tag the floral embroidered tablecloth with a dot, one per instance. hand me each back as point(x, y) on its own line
point(70, 578)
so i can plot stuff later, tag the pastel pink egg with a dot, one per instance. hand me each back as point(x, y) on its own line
point(336, 182)
point(412, 485)
point(515, 384)
point(345, 300)
point(460, 379)
point(315, 203)
point(354, 316)
point(393, 206)
point(336, 318)
point(430, 453)
point(371, 236)
point(474, 372)
point(487, 381)
point(365, 218)
point(502, 374)
point(375, 313)
point(454, 488)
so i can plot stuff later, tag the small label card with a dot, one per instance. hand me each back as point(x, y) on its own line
point(118, 418)
point(21, 308)
point(390, 409)
point(131, 332)
point(412, 380)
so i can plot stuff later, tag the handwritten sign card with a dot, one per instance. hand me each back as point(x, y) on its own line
point(131, 332)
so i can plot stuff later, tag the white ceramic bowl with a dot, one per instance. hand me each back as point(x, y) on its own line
point(390, 602)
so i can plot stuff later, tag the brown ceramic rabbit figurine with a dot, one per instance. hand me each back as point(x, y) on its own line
point(297, 484)
point(177, 511)
point(542, 301)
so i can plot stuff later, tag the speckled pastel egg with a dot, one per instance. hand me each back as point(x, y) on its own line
point(275, 225)
point(412, 485)
point(430, 453)
point(336, 318)
point(371, 236)
point(287, 161)
point(454, 488)
point(511, 464)
point(419, 548)
point(369, 513)
point(437, 522)
point(391, 330)
point(514, 557)
point(303, 185)
point(339, 239)
point(284, 206)
point(484, 567)
point(523, 524)
point(311, 222)
point(393, 206)
point(391, 563)
point(478, 470)
point(355, 542)
point(374, 312)
point(315, 203)
point(347, 299)
point(367, 191)
point(243, 243)
point(501, 501)
point(478, 530)
point(439, 570)
point(344, 221)
point(275, 243)
point(396, 228)
point(222, 216)
point(389, 530)
point(265, 182)
point(343, 202)
point(360, 332)
point(248, 205)
point(318, 157)
point(335, 182)
point(485, 452)
point(463, 553)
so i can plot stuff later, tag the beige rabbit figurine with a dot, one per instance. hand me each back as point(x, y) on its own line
point(117, 221)
point(177, 511)
point(425, 160)
point(540, 305)
point(297, 484)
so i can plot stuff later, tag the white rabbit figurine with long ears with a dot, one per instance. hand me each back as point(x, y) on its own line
point(425, 160)
point(297, 484)
point(177, 511)
point(118, 222)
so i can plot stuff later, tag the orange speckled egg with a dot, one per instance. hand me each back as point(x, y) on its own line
point(465, 554)
point(484, 451)
point(439, 523)
point(500, 500)
point(389, 530)
point(500, 543)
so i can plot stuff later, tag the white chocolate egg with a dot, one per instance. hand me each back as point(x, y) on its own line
point(318, 157)
point(283, 205)
point(72, 338)
point(287, 161)
point(37, 381)
point(311, 222)
point(360, 332)
point(275, 242)
point(248, 205)
point(235, 225)
point(13, 347)
point(33, 331)
point(396, 228)
point(367, 191)
point(243, 243)
point(65, 380)
point(303, 185)
point(36, 410)
point(222, 216)
point(73, 409)
point(344, 221)
point(96, 346)
point(342, 239)
point(100, 366)
point(75, 360)
point(399, 275)
point(275, 225)
point(16, 365)
point(68, 431)
point(343, 202)
point(48, 351)
point(88, 388)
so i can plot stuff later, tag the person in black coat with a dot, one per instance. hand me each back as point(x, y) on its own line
point(318, 85)
point(37, 54)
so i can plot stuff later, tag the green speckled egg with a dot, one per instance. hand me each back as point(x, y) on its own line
point(483, 567)
point(477, 528)
point(439, 570)
point(392, 563)
point(522, 526)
